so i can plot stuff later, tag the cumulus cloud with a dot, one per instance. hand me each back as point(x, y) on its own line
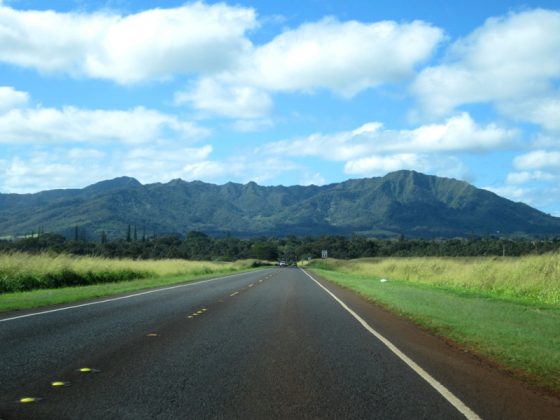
point(381, 164)
point(244, 102)
point(70, 124)
point(77, 167)
point(538, 159)
point(314, 178)
point(507, 59)
point(44, 171)
point(527, 176)
point(541, 110)
point(152, 44)
point(240, 169)
point(457, 134)
point(512, 193)
point(11, 98)
point(345, 57)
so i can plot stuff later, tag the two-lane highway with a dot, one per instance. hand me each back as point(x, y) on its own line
point(266, 344)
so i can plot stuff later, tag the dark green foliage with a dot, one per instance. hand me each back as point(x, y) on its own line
point(199, 246)
point(65, 278)
point(401, 203)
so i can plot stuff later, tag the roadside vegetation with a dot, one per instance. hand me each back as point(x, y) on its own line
point(507, 309)
point(28, 281)
point(200, 246)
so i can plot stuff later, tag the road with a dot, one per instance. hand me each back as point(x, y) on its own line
point(266, 344)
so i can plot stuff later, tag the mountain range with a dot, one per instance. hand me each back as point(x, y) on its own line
point(401, 203)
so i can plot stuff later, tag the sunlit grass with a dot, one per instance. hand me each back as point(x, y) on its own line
point(531, 278)
point(21, 272)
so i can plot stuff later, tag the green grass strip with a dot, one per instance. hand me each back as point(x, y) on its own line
point(525, 339)
point(48, 297)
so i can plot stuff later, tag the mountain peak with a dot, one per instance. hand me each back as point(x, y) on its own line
point(114, 184)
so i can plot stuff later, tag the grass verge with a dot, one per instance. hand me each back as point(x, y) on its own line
point(48, 297)
point(523, 338)
point(64, 279)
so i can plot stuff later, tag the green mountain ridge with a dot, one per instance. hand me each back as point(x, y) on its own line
point(402, 202)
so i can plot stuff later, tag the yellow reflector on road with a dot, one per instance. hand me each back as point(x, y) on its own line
point(60, 383)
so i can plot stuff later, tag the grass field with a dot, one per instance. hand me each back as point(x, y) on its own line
point(534, 279)
point(485, 305)
point(28, 281)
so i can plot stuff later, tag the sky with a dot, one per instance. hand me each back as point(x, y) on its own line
point(281, 92)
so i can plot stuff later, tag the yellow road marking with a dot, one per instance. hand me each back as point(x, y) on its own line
point(204, 309)
point(251, 285)
point(60, 383)
point(260, 281)
point(26, 400)
point(152, 335)
point(234, 293)
point(199, 312)
point(190, 317)
point(88, 370)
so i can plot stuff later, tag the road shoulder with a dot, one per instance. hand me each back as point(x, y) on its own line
point(489, 391)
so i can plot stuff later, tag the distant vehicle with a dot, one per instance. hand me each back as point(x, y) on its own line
point(282, 264)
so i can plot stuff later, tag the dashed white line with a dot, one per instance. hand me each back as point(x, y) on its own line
point(66, 308)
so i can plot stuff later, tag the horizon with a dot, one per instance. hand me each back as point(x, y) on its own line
point(246, 182)
point(280, 94)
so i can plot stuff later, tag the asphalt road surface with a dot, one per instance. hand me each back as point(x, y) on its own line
point(266, 344)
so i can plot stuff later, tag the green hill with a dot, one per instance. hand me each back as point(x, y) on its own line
point(403, 202)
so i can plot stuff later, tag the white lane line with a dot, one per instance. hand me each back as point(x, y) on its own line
point(445, 393)
point(50, 311)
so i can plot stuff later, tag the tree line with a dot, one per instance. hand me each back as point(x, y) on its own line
point(200, 246)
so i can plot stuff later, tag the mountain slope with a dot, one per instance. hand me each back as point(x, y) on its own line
point(403, 202)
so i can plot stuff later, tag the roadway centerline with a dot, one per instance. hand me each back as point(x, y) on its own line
point(195, 283)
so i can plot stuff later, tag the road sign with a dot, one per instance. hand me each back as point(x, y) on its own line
point(324, 254)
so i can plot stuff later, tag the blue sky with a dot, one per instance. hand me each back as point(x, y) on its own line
point(281, 92)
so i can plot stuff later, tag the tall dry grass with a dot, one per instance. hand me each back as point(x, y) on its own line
point(19, 271)
point(536, 278)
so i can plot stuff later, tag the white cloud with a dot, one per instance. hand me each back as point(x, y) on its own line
point(44, 171)
point(512, 193)
point(11, 98)
point(243, 169)
point(456, 134)
point(243, 102)
point(78, 167)
point(312, 179)
point(382, 164)
point(541, 110)
point(70, 124)
point(153, 44)
point(538, 159)
point(345, 57)
point(85, 153)
point(508, 59)
point(526, 176)
point(376, 165)
point(250, 126)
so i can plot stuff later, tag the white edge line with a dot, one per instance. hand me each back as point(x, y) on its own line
point(447, 394)
point(118, 298)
